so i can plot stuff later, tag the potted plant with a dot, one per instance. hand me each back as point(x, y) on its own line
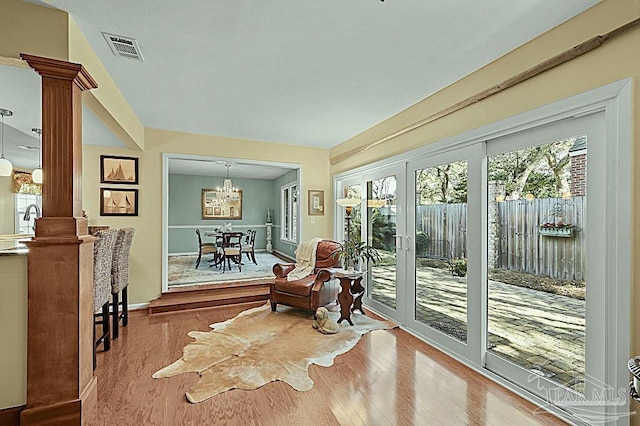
point(557, 229)
point(353, 253)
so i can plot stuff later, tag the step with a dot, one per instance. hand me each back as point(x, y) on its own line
point(209, 296)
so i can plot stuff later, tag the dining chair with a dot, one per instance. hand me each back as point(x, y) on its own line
point(248, 246)
point(205, 248)
point(102, 260)
point(231, 249)
point(120, 278)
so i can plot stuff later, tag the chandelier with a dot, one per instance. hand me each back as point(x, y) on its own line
point(228, 192)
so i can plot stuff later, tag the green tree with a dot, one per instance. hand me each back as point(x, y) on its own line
point(542, 170)
point(446, 183)
point(382, 228)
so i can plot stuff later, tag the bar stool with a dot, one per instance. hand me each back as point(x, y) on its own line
point(120, 278)
point(102, 261)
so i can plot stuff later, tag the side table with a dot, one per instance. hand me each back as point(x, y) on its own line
point(350, 296)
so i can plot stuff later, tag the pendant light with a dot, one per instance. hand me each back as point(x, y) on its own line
point(36, 176)
point(5, 165)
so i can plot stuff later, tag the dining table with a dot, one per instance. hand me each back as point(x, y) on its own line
point(219, 238)
point(218, 234)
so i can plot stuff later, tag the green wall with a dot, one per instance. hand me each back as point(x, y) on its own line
point(185, 192)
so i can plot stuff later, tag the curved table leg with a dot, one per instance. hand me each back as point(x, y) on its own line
point(345, 299)
point(357, 291)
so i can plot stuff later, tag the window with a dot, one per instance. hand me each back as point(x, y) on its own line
point(22, 201)
point(289, 221)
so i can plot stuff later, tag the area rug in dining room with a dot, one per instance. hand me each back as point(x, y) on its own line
point(259, 346)
point(182, 269)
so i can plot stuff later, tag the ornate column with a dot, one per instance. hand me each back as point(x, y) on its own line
point(269, 245)
point(60, 382)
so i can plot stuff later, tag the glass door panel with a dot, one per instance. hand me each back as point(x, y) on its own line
point(536, 264)
point(441, 248)
point(381, 234)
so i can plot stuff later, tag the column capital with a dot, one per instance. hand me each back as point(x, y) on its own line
point(55, 68)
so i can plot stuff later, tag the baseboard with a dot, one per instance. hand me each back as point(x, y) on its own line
point(131, 307)
point(283, 256)
point(137, 306)
point(11, 416)
point(195, 253)
point(60, 413)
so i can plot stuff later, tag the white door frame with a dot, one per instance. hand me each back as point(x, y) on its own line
point(167, 156)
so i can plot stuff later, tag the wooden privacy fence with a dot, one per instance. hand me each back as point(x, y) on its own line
point(446, 228)
point(514, 239)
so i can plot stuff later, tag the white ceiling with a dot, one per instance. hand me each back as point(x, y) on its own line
point(214, 167)
point(307, 72)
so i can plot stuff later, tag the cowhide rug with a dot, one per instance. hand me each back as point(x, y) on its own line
point(259, 346)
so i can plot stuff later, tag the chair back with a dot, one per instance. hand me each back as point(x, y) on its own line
point(232, 239)
point(120, 264)
point(324, 255)
point(247, 237)
point(253, 238)
point(102, 260)
point(199, 238)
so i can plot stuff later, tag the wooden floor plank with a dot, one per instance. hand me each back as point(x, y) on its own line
point(389, 378)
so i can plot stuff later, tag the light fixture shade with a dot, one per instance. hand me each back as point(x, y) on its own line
point(36, 176)
point(376, 204)
point(5, 167)
point(348, 202)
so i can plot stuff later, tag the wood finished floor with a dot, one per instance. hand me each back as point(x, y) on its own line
point(389, 378)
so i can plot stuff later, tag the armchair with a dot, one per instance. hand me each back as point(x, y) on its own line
point(312, 291)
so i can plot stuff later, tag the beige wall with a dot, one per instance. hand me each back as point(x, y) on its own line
point(13, 331)
point(146, 257)
point(37, 30)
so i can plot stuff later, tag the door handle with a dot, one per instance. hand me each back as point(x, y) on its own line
point(408, 243)
point(398, 241)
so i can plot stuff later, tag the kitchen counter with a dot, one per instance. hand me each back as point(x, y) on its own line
point(11, 245)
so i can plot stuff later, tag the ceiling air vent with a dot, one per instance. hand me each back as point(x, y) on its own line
point(123, 46)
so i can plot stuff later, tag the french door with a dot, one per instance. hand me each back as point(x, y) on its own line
point(380, 222)
point(443, 298)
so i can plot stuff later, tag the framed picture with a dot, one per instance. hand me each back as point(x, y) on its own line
point(316, 202)
point(118, 170)
point(216, 206)
point(118, 202)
